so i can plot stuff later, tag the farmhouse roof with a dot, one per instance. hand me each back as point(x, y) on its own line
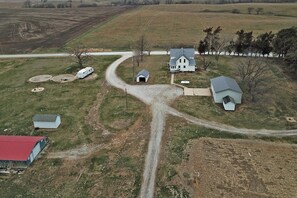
point(223, 83)
point(188, 53)
point(17, 148)
point(45, 117)
point(144, 73)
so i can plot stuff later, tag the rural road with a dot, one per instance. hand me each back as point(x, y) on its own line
point(158, 97)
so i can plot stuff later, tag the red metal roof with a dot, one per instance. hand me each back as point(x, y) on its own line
point(17, 148)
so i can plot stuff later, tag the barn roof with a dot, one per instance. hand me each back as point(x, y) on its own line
point(45, 117)
point(223, 83)
point(17, 148)
point(144, 73)
point(175, 54)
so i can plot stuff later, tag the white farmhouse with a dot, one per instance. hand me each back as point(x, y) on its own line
point(182, 60)
point(225, 90)
point(46, 121)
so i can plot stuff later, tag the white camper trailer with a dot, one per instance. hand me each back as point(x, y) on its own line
point(84, 72)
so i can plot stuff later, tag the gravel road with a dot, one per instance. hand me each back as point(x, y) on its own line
point(158, 97)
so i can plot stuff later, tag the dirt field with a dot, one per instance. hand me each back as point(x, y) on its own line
point(24, 30)
point(239, 168)
point(181, 25)
point(199, 162)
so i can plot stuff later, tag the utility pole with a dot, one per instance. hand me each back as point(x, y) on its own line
point(133, 69)
point(126, 99)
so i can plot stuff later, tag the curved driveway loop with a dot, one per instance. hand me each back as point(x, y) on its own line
point(158, 96)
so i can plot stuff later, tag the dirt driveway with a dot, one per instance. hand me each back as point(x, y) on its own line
point(159, 96)
point(23, 30)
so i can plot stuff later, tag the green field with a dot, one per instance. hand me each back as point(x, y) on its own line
point(71, 100)
point(269, 111)
point(119, 160)
point(182, 25)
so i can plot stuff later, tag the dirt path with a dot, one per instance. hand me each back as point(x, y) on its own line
point(158, 96)
point(82, 151)
point(230, 129)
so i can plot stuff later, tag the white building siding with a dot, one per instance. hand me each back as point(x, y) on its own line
point(182, 64)
point(48, 125)
point(218, 97)
point(36, 150)
point(229, 106)
point(141, 76)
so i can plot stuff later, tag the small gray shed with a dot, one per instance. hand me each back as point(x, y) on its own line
point(225, 90)
point(142, 76)
point(46, 121)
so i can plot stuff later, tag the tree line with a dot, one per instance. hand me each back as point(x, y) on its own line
point(281, 44)
point(62, 4)
point(254, 74)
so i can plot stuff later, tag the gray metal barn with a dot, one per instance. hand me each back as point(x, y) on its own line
point(225, 90)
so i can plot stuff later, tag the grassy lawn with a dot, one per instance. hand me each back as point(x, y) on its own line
point(269, 111)
point(156, 65)
point(71, 100)
point(173, 25)
point(116, 114)
point(115, 170)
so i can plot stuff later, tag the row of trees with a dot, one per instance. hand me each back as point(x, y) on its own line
point(255, 76)
point(283, 44)
point(63, 4)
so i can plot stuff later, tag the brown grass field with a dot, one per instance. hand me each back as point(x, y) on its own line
point(173, 25)
point(24, 30)
point(198, 162)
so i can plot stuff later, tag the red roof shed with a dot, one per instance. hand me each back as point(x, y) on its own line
point(18, 148)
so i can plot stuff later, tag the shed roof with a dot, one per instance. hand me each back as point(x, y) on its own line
point(176, 53)
point(45, 117)
point(17, 148)
point(144, 73)
point(223, 83)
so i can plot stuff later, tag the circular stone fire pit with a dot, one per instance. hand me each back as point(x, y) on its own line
point(40, 78)
point(63, 78)
point(37, 89)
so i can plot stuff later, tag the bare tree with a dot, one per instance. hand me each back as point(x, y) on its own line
point(259, 11)
point(136, 57)
point(255, 78)
point(250, 10)
point(81, 55)
point(202, 49)
point(27, 4)
point(140, 45)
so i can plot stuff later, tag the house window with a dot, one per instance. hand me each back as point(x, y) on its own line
point(178, 67)
point(184, 66)
point(184, 60)
point(180, 60)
